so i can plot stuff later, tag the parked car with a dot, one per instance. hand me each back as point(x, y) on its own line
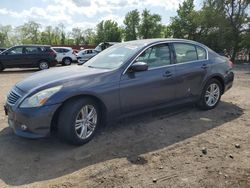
point(125, 79)
point(104, 45)
point(65, 55)
point(2, 49)
point(85, 55)
point(28, 56)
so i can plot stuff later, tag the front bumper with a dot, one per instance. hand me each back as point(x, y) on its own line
point(30, 122)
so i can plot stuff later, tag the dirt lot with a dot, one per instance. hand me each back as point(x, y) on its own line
point(158, 149)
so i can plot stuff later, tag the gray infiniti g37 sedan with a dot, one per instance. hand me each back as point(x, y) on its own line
point(125, 79)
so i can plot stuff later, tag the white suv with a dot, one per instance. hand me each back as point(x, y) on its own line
point(65, 55)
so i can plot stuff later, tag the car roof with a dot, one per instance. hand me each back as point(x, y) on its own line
point(62, 47)
point(32, 45)
point(145, 42)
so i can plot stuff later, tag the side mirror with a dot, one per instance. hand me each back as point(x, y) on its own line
point(138, 67)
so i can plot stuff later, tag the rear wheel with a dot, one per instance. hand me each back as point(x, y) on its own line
point(78, 121)
point(43, 65)
point(211, 94)
point(67, 61)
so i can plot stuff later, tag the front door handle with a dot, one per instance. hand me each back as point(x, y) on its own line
point(204, 66)
point(167, 74)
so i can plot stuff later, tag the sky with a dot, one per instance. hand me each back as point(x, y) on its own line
point(81, 13)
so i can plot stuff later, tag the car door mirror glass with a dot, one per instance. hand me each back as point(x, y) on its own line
point(138, 67)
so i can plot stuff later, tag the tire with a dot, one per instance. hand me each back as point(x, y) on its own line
point(1, 67)
point(211, 95)
point(71, 127)
point(43, 65)
point(66, 61)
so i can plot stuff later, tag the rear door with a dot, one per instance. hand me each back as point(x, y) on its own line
point(140, 90)
point(32, 55)
point(191, 67)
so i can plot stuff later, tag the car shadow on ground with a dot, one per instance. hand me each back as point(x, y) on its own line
point(26, 161)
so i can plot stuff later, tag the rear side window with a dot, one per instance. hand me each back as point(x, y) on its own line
point(32, 50)
point(65, 50)
point(201, 53)
point(185, 52)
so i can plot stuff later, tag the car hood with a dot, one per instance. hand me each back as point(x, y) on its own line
point(58, 75)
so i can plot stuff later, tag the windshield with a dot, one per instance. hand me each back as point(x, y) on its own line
point(113, 57)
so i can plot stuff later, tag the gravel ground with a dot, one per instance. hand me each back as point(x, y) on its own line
point(184, 147)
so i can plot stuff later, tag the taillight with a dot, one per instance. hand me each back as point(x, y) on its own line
point(230, 64)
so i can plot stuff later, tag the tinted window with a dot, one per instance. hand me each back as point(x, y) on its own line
point(65, 50)
point(18, 50)
point(185, 52)
point(156, 56)
point(201, 53)
point(58, 50)
point(31, 50)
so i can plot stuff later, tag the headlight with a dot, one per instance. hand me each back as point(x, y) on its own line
point(39, 98)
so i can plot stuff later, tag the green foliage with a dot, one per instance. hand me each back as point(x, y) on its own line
point(131, 22)
point(150, 26)
point(184, 24)
point(220, 24)
point(107, 31)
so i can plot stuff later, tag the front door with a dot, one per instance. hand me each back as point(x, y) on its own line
point(140, 90)
point(14, 57)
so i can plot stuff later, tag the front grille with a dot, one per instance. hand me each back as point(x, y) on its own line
point(13, 97)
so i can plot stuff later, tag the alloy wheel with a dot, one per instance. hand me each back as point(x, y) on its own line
point(212, 94)
point(86, 121)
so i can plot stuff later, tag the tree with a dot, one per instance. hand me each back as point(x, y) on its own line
point(29, 32)
point(107, 31)
point(238, 18)
point(150, 26)
point(77, 35)
point(62, 27)
point(212, 28)
point(131, 22)
point(90, 36)
point(5, 32)
point(183, 25)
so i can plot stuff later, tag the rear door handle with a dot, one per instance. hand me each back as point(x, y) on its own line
point(167, 74)
point(204, 66)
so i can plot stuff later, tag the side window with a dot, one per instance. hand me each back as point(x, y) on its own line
point(185, 52)
point(202, 54)
point(17, 50)
point(57, 50)
point(31, 50)
point(65, 50)
point(156, 56)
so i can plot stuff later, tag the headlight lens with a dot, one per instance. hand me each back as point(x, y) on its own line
point(39, 98)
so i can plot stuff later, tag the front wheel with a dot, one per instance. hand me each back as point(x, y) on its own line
point(211, 95)
point(78, 121)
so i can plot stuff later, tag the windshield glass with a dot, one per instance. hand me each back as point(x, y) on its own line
point(113, 57)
